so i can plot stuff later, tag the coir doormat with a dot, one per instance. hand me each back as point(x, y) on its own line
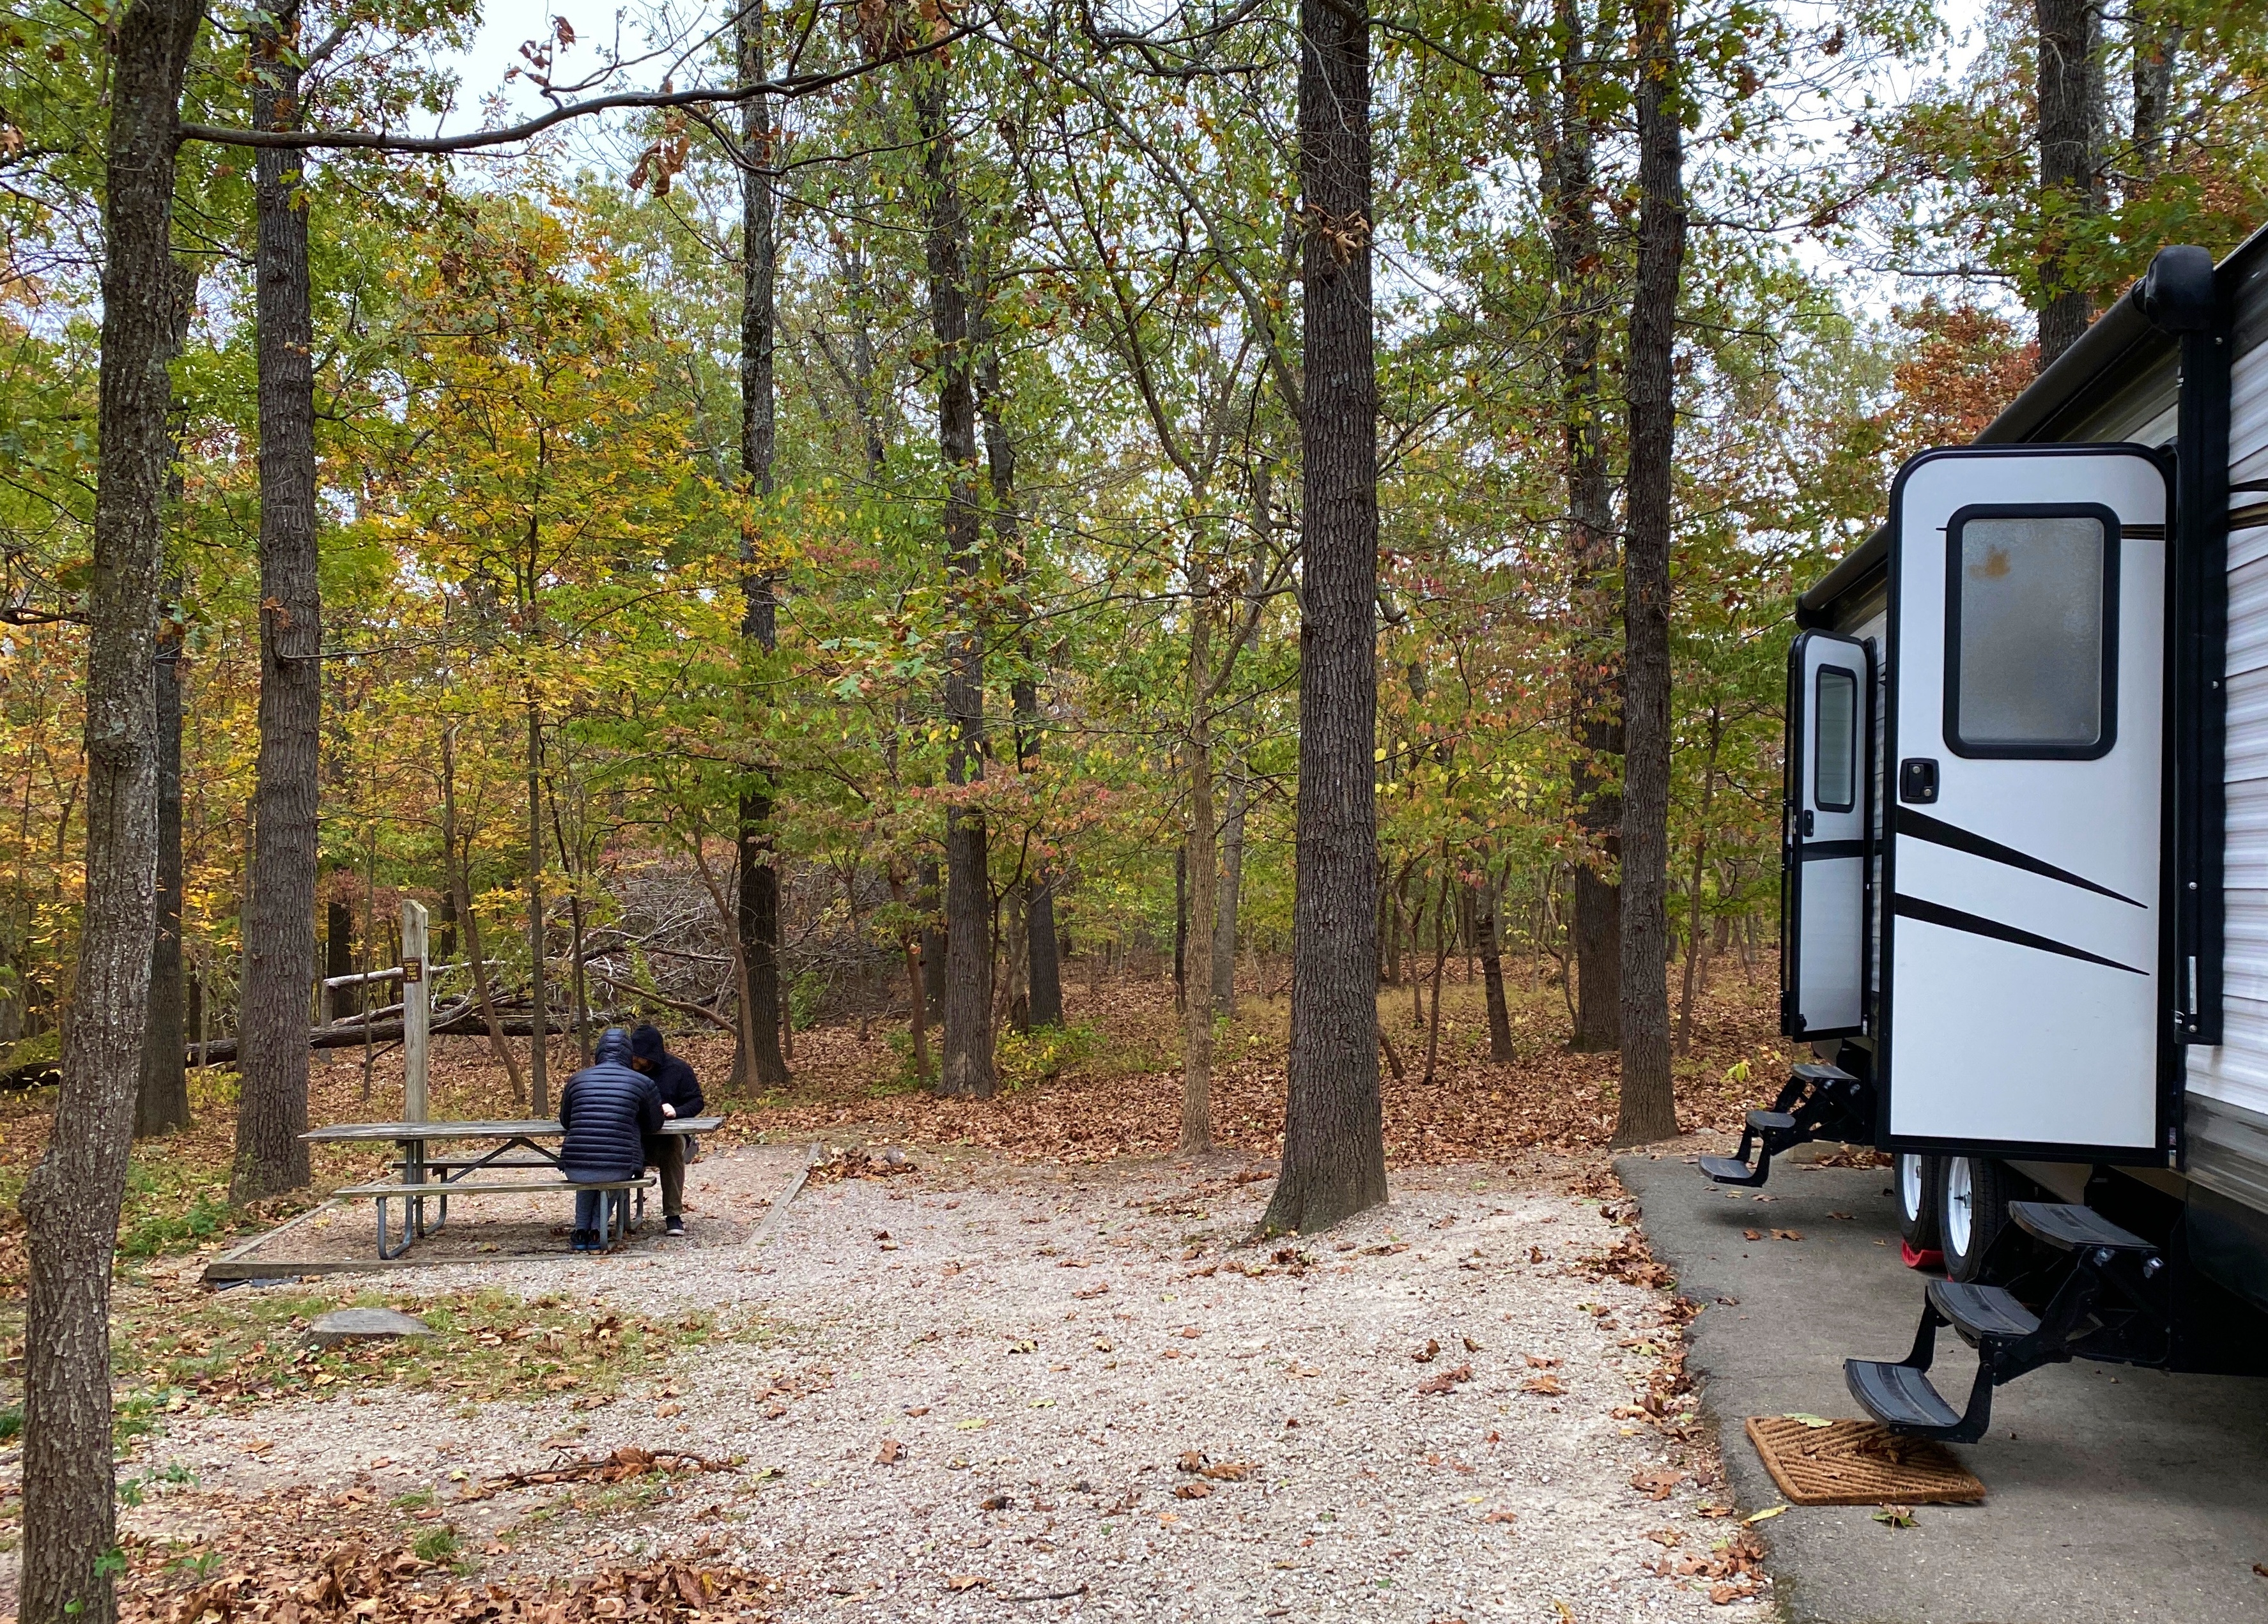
point(1858, 1463)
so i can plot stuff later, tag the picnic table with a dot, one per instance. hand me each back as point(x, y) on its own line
point(425, 1177)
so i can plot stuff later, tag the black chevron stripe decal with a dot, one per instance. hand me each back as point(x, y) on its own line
point(1954, 919)
point(1922, 827)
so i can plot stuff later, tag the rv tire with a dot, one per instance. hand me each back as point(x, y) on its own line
point(1917, 1178)
point(1973, 1210)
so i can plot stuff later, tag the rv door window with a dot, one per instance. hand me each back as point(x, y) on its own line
point(2031, 646)
point(1834, 742)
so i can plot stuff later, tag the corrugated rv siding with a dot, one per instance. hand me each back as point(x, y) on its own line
point(2235, 1074)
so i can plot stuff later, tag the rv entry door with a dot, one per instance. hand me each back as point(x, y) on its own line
point(2025, 771)
point(1823, 850)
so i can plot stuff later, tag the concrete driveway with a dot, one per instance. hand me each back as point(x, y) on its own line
point(2114, 1495)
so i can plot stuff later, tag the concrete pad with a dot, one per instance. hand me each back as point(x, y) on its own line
point(2114, 1495)
point(364, 1325)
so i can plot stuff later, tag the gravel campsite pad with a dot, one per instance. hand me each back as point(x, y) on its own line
point(1081, 1391)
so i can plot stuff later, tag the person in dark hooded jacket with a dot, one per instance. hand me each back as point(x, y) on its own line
point(681, 1096)
point(608, 1110)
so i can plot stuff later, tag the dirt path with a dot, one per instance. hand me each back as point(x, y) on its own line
point(987, 1381)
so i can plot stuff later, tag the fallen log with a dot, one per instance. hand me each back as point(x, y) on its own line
point(464, 1019)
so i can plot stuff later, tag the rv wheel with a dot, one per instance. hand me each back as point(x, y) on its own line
point(1918, 1180)
point(1973, 1212)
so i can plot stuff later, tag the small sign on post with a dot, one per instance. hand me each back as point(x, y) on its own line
point(416, 1011)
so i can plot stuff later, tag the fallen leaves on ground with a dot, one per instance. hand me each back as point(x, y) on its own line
point(351, 1582)
point(1656, 1482)
point(1446, 1381)
point(624, 1464)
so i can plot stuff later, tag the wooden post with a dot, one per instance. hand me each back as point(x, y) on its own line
point(417, 1009)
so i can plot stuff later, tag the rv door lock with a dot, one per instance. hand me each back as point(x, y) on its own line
point(1917, 781)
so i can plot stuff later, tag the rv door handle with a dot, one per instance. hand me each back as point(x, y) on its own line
point(1918, 780)
point(1807, 823)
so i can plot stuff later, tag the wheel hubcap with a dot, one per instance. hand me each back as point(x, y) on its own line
point(1960, 1201)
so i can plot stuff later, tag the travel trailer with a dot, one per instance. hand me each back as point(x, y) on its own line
point(2025, 908)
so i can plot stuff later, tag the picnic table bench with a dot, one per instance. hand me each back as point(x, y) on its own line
point(427, 1177)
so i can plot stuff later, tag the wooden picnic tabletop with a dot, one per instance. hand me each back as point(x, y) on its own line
point(526, 1127)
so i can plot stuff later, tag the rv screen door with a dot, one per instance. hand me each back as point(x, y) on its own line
point(2025, 773)
point(1824, 854)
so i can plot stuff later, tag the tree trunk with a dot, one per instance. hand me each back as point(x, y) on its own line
point(1697, 948)
point(161, 1103)
point(539, 1047)
point(1033, 905)
point(1181, 928)
point(456, 870)
point(932, 939)
point(70, 1203)
point(1197, 1047)
point(917, 995)
point(1649, 1106)
point(1440, 962)
point(2070, 102)
point(279, 929)
point(2157, 46)
point(1334, 1145)
point(1488, 909)
point(1231, 890)
point(1566, 129)
point(338, 958)
point(758, 923)
point(967, 882)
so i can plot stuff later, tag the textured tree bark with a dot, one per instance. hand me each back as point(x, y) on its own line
point(1231, 890)
point(1334, 1146)
point(70, 1201)
point(1196, 1044)
point(2157, 46)
point(1648, 1105)
point(759, 901)
point(279, 928)
point(1487, 912)
point(968, 1068)
point(161, 1102)
point(338, 956)
point(2070, 114)
point(910, 943)
point(1567, 122)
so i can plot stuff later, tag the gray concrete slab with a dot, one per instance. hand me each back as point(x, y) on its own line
point(2113, 1494)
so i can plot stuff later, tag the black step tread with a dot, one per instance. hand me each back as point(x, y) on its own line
point(1725, 1169)
point(1765, 1120)
point(1982, 1311)
point(1898, 1395)
point(2061, 1223)
point(1820, 1071)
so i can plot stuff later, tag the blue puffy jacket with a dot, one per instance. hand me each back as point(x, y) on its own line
point(608, 1110)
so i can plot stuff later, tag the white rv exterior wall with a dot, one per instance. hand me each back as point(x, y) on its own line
point(2235, 1073)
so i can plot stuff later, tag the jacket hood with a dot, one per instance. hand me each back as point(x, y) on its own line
point(646, 1042)
point(614, 1047)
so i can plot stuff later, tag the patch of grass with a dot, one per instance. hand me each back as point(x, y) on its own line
point(11, 1423)
point(436, 1544)
point(246, 1348)
point(415, 1500)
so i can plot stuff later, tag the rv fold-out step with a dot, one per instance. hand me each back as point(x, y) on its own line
point(1818, 1102)
point(1725, 1170)
point(1900, 1396)
point(2068, 1228)
point(2102, 1305)
point(1980, 1312)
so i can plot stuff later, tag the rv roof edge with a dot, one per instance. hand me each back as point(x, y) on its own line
point(2175, 296)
